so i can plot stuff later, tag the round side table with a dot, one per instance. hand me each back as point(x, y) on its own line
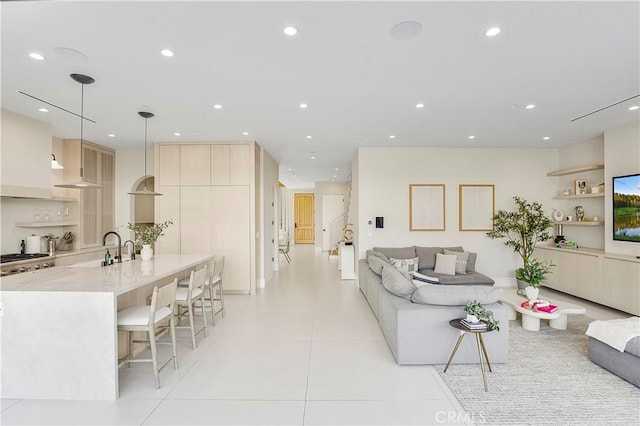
point(482, 350)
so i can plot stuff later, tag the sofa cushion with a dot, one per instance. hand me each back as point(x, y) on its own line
point(470, 278)
point(462, 258)
point(445, 264)
point(397, 282)
point(431, 294)
point(377, 254)
point(376, 264)
point(397, 252)
point(406, 265)
point(427, 256)
point(471, 262)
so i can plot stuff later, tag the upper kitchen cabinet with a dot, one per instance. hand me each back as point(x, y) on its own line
point(168, 165)
point(97, 206)
point(26, 156)
point(195, 165)
point(231, 164)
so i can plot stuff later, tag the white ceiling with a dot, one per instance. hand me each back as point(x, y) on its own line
point(361, 84)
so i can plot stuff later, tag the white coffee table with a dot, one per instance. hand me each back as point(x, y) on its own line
point(531, 319)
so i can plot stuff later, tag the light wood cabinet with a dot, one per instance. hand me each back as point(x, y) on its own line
point(195, 165)
point(209, 192)
point(195, 215)
point(594, 275)
point(168, 165)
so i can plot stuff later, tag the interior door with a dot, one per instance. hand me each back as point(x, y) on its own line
point(332, 208)
point(303, 207)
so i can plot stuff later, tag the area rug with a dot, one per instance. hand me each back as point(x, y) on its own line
point(548, 380)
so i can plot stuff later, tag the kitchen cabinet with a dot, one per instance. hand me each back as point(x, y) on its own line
point(195, 165)
point(215, 213)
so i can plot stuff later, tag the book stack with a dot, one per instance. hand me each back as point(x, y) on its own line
point(473, 325)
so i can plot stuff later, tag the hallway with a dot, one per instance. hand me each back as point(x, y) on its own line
point(305, 350)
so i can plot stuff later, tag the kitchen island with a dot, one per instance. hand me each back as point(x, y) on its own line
point(58, 325)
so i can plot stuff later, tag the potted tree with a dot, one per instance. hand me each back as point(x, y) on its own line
point(147, 235)
point(523, 229)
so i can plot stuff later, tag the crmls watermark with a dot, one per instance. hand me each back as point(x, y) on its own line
point(455, 417)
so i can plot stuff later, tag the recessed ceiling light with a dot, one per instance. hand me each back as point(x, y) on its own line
point(43, 110)
point(245, 133)
point(420, 105)
point(176, 134)
point(217, 106)
point(291, 31)
point(289, 169)
point(334, 175)
point(166, 52)
point(492, 31)
point(111, 135)
point(634, 107)
point(530, 106)
point(308, 136)
point(406, 30)
point(303, 106)
point(36, 56)
point(472, 137)
point(392, 137)
point(313, 157)
point(546, 138)
point(337, 169)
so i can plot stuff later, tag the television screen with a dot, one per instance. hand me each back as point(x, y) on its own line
point(626, 208)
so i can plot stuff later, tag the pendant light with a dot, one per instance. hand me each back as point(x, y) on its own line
point(82, 184)
point(146, 115)
point(54, 163)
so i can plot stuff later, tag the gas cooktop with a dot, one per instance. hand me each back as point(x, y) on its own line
point(15, 257)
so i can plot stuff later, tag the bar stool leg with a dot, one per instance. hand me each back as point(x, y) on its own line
point(191, 323)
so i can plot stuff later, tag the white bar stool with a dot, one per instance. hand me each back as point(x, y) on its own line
point(150, 319)
point(186, 297)
point(215, 280)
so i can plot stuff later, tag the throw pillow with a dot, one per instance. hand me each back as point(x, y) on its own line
point(461, 260)
point(427, 256)
point(397, 282)
point(406, 265)
point(445, 264)
point(471, 263)
point(378, 254)
point(376, 264)
point(458, 295)
point(417, 276)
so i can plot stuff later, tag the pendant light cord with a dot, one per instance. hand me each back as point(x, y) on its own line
point(145, 154)
point(81, 131)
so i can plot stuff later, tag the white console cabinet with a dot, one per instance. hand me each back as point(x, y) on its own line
point(609, 279)
point(346, 262)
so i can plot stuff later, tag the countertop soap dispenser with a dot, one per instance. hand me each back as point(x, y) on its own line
point(107, 259)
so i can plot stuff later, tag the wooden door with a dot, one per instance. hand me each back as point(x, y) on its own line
point(303, 208)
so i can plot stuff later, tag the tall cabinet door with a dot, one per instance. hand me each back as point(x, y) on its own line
point(195, 165)
point(107, 180)
point(195, 215)
point(230, 235)
point(91, 198)
point(167, 207)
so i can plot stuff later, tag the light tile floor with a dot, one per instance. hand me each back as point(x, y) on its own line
point(305, 350)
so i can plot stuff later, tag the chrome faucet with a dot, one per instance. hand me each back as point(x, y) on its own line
point(133, 249)
point(104, 242)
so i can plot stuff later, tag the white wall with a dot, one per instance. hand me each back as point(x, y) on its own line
point(621, 157)
point(327, 188)
point(268, 247)
point(578, 154)
point(129, 170)
point(26, 151)
point(381, 183)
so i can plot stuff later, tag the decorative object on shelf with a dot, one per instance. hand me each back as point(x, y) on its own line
point(476, 309)
point(533, 273)
point(147, 235)
point(347, 233)
point(146, 115)
point(82, 183)
point(566, 244)
point(54, 163)
point(566, 192)
point(558, 215)
point(578, 211)
point(522, 229)
point(580, 186)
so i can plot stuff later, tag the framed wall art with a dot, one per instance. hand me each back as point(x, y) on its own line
point(426, 207)
point(476, 207)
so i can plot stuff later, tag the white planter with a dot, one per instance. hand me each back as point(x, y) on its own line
point(531, 292)
point(147, 252)
point(472, 318)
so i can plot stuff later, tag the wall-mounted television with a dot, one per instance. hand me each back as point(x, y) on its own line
point(626, 208)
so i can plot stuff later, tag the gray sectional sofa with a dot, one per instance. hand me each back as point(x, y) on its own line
point(419, 333)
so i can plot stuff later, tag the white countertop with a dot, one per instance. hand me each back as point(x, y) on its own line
point(118, 278)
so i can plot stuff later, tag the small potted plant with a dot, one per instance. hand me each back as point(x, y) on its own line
point(146, 235)
point(476, 312)
point(522, 229)
point(533, 273)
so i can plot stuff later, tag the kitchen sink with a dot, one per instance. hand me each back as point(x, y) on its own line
point(94, 264)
